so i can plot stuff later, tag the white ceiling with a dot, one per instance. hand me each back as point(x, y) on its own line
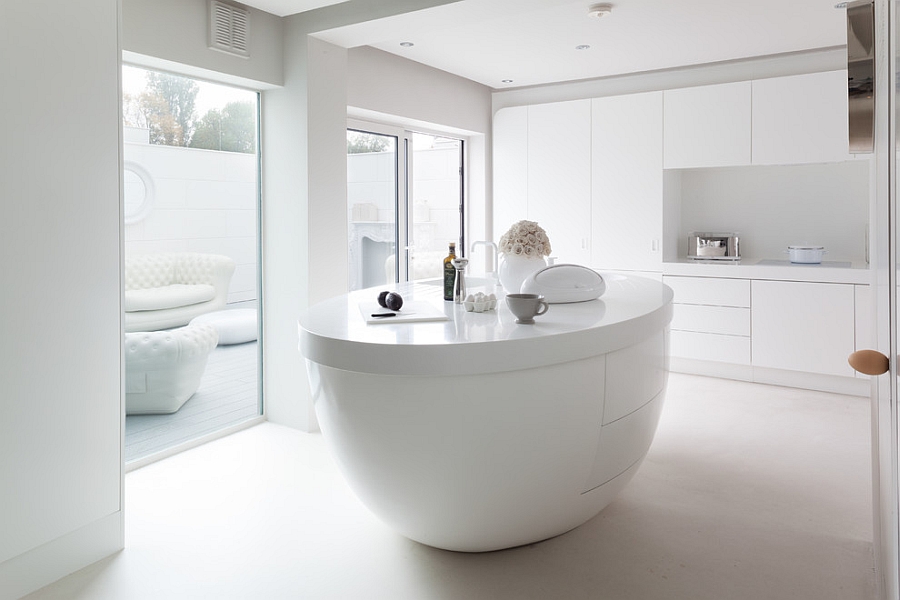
point(283, 8)
point(534, 41)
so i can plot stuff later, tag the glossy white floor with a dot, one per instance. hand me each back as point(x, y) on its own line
point(748, 492)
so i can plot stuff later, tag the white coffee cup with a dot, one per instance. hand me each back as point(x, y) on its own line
point(526, 307)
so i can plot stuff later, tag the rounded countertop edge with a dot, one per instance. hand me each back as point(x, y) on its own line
point(487, 356)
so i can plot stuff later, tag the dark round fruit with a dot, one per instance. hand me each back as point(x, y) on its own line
point(393, 301)
point(381, 298)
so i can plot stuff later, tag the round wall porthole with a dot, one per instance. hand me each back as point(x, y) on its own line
point(138, 192)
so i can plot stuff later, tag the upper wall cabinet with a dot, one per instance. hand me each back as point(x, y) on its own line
point(707, 126)
point(627, 187)
point(800, 119)
point(559, 176)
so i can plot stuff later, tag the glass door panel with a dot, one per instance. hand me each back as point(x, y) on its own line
point(436, 203)
point(372, 199)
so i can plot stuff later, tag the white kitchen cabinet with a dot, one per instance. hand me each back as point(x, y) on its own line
point(559, 176)
point(800, 119)
point(802, 326)
point(865, 322)
point(711, 319)
point(627, 186)
point(510, 168)
point(707, 126)
point(709, 291)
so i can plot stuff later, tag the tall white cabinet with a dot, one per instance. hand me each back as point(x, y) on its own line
point(559, 176)
point(627, 187)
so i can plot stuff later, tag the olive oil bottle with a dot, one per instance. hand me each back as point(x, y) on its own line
point(449, 273)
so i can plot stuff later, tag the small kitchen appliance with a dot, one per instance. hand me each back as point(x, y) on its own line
point(713, 246)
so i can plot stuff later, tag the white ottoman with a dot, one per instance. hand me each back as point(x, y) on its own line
point(163, 368)
point(234, 326)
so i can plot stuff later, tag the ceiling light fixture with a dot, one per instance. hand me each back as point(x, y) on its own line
point(597, 11)
point(506, 81)
point(582, 47)
point(407, 44)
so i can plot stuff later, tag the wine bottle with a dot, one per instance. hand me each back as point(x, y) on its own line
point(449, 273)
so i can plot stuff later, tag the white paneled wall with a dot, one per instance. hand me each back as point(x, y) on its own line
point(204, 201)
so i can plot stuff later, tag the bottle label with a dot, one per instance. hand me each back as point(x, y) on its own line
point(449, 280)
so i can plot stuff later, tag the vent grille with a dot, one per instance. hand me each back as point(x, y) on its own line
point(229, 28)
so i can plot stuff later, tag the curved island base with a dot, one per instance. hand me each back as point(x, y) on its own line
point(451, 447)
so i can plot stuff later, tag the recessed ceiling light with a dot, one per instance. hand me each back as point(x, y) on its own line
point(582, 47)
point(507, 81)
point(599, 10)
point(407, 44)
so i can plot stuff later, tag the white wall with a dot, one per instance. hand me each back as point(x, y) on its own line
point(177, 31)
point(776, 206)
point(384, 87)
point(204, 201)
point(60, 318)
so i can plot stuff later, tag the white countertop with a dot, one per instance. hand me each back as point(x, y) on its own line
point(334, 333)
point(779, 270)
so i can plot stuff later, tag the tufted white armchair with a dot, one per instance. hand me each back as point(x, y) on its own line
point(169, 289)
point(163, 368)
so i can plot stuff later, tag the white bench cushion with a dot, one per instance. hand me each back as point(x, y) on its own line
point(169, 296)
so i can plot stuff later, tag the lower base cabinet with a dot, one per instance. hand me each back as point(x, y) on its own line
point(785, 325)
point(802, 326)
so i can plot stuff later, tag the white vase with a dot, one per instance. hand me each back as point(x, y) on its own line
point(514, 270)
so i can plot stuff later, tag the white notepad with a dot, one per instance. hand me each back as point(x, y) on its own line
point(411, 312)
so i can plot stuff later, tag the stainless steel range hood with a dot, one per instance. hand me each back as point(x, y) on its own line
point(861, 75)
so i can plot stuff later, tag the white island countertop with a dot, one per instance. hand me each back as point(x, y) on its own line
point(334, 333)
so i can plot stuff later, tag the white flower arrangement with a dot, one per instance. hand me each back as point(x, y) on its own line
point(526, 239)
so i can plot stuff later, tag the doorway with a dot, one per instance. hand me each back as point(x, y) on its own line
point(192, 261)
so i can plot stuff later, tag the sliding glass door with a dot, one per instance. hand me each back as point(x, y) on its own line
point(406, 202)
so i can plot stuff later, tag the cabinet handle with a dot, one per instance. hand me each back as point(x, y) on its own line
point(869, 362)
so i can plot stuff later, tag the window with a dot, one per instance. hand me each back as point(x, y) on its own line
point(404, 191)
point(191, 212)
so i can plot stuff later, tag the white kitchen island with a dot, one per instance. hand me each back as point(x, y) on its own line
point(474, 433)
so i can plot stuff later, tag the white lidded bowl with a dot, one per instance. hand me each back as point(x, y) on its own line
point(560, 284)
point(806, 254)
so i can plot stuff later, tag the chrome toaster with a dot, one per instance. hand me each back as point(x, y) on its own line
point(713, 246)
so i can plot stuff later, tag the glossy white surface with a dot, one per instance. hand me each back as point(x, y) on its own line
point(333, 332)
point(559, 284)
point(477, 434)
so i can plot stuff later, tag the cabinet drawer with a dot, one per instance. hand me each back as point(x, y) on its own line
point(710, 291)
point(710, 346)
point(727, 320)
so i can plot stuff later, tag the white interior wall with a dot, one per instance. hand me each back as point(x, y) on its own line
point(60, 323)
point(174, 35)
point(385, 87)
point(776, 206)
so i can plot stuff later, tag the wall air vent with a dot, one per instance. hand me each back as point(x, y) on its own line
point(229, 28)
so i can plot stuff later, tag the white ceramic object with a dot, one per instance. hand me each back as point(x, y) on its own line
point(480, 302)
point(480, 434)
point(565, 283)
point(806, 254)
point(513, 270)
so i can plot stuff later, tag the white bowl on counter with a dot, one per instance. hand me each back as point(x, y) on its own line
point(811, 255)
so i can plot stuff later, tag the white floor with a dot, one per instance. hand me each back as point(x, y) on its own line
point(749, 492)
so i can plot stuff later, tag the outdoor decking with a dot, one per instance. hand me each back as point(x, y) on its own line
point(228, 395)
